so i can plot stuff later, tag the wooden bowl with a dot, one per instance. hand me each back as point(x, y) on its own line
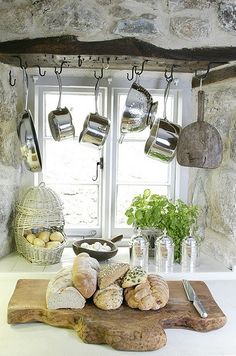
point(99, 255)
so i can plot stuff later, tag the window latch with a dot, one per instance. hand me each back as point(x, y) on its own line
point(101, 164)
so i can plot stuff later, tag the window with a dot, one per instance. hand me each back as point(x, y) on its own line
point(69, 166)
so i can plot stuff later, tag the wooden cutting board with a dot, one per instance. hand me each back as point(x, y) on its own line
point(124, 328)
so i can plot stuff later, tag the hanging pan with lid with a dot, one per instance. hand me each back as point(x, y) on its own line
point(200, 144)
point(27, 135)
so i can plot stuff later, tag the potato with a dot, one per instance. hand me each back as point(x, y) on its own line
point(39, 242)
point(44, 235)
point(53, 244)
point(57, 236)
point(30, 238)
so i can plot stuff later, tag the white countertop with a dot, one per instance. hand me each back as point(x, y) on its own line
point(36, 339)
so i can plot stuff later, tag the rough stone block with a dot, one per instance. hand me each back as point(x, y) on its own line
point(227, 16)
point(136, 27)
point(189, 28)
point(176, 5)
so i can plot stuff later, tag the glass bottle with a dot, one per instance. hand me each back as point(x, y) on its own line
point(189, 254)
point(164, 253)
point(138, 249)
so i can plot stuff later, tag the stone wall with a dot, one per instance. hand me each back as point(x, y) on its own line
point(215, 190)
point(9, 157)
point(165, 23)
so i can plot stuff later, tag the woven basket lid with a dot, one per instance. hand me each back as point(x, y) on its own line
point(40, 199)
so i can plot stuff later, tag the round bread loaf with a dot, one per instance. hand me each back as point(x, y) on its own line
point(153, 294)
point(109, 298)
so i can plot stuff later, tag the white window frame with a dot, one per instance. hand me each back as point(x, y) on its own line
point(112, 87)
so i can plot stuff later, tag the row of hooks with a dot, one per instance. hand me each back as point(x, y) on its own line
point(203, 73)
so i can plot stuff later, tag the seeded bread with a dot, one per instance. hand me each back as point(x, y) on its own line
point(109, 298)
point(134, 276)
point(153, 294)
point(61, 293)
point(111, 273)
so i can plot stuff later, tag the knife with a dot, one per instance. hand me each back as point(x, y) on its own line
point(192, 297)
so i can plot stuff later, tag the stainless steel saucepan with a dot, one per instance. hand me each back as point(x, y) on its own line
point(96, 127)
point(60, 120)
point(164, 135)
point(27, 135)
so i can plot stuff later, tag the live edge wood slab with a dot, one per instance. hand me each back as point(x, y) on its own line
point(123, 329)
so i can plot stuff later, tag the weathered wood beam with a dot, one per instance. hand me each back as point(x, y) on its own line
point(70, 45)
point(216, 76)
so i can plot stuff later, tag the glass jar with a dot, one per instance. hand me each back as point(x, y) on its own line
point(164, 254)
point(138, 248)
point(189, 254)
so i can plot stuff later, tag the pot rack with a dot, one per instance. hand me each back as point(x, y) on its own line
point(125, 53)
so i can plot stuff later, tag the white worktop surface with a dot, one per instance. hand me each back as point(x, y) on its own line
point(36, 339)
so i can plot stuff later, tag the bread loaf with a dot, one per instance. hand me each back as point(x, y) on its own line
point(153, 294)
point(134, 276)
point(111, 273)
point(61, 293)
point(84, 274)
point(109, 298)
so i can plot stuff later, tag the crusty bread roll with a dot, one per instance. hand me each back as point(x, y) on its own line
point(84, 274)
point(61, 293)
point(111, 273)
point(153, 294)
point(134, 276)
point(30, 238)
point(109, 298)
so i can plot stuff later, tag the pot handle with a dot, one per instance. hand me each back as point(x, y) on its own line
point(117, 238)
point(201, 100)
point(26, 85)
point(166, 95)
point(60, 89)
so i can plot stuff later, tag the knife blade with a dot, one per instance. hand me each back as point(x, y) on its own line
point(192, 297)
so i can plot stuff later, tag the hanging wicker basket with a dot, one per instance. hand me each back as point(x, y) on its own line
point(39, 210)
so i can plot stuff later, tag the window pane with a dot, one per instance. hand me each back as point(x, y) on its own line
point(79, 105)
point(134, 166)
point(80, 204)
point(125, 195)
point(69, 162)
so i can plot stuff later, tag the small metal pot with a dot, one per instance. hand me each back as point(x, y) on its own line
point(139, 110)
point(164, 135)
point(162, 141)
point(96, 127)
point(60, 120)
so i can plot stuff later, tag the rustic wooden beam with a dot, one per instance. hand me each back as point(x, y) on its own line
point(216, 76)
point(70, 45)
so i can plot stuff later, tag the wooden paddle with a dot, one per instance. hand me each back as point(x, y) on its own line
point(200, 144)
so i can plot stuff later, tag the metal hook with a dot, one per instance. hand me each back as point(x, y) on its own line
point(106, 66)
point(80, 61)
point(203, 76)
point(59, 72)
point(100, 76)
point(169, 78)
point(12, 84)
point(21, 64)
point(142, 69)
point(40, 73)
point(101, 164)
point(132, 75)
